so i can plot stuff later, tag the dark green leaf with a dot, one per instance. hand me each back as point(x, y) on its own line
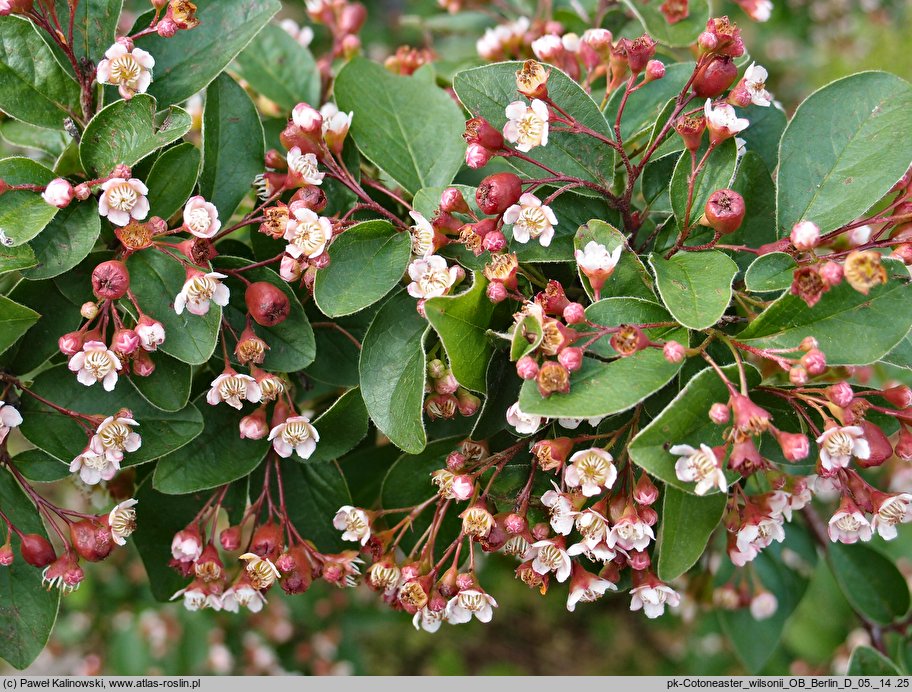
point(764, 133)
point(41, 467)
point(168, 387)
point(314, 493)
point(642, 110)
point(870, 581)
point(60, 316)
point(695, 286)
point(172, 179)
point(280, 68)
point(66, 241)
point(16, 258)
point(342, 427)
point(687, 523)
point(22, 134)
point(94, 27)
point(868, 661)
point(23, 214)
point(503, 390)
point(15, 320)
point(772, 272)
point(681, 33)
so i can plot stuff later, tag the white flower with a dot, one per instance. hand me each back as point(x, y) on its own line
point(151, 334)
point(428, 620)
point(548, 47)
point(186, 546)
point(586, 588)
point(122, 521)
point(297, 435)
point(243, 596)
point(763, 605)
point(551, 557)
point(9, 418)
point(892, 510)
point(307, 234)
point(560, 510)
point(233, 389)
point(700, 466)
point(354, 523)
point(94, 467)
point(594, 259)
point(304, 167)
point(527, 126)
point(759, 10)
point(114, 437)
point(201, 217)
point(653, 598)
point(470, 602)
point(95, 363)
point(630, 533)
point(422, 234)
point(759, 534)
point(739, 557)
point(261, 572)
point(722, 119)
point(591, 470)
point(335, 124)
point(430, 277)
point(594, 530)
point(196, 599)
point(755, 82)
point(123, 199)
point(531, 219)
point(198, 291)
point(839, 445)
point(848, 526)
point(303, 35)
point(805, 235)
point(129, 70)
point(523, 423)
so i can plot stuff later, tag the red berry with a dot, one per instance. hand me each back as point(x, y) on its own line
point(497, 192)
point(110, 280)
point(36, 550)
point(725, 211)
point(715, 78)
point(268, 305)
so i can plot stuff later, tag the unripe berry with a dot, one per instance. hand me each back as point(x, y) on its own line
point(110, 280)
point(725, 211)
point(879, 446)
point(527, 368)
point(715, 78)
point(267, 304)
point(574, 313)
point(452, 201)
point(571, 358)
point(36, 550)
point(91, 539)
point(481, 133)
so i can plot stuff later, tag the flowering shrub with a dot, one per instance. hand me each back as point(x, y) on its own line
point(594, 305)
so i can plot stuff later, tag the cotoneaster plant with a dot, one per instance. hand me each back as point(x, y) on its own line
point(594, 305)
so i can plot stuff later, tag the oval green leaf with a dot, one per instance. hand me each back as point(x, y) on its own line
point(695, 286)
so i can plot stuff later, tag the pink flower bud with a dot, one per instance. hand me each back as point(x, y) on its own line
point(840, 394)
point(798, 375)
point(903, 448)
point(89, 310)
point(655, 69)
point(455, 461)
point(719, 413)
point(541, 531)
point(122, 170)
point(290, 269)
point(808, 343)
point(70, 343)
point(648, 515)
point(831, 273)
point(673, 352)
point(638, 560)
point(125, 341)
point(463, 487)
point(306, 117)
point(230, 538)
point(645, 492)
point(571, 358)
point(494, 242)
point(452, 201)
point(496, 292)
point(166, 28)
point(82, 192)
point(477, 156)
point(805, 235)
point(527, 368)
point(900, 396)
point(254, 426)
point(143, 365)
point(814, 362)
point(707, 42)
point(467, 403)
point(6, 550)
point(795, 446)
point(515, 524)
point(574, 313)
point(59, 193)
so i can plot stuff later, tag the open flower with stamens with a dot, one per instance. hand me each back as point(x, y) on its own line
point(123, 199)
point(477, 521)
point(652, 596)
point(64, 574)
point(470, 602)
point(151, 333)
point(9, 418)
point(129, 69)
point(552, 557)
point(431, 277)
point(94, 467)
point(307, 234)
point(531, 219)
point(335, 125)
point(889, 511)
point(261, 572)
point(594, 530)
point(630, 532)
point(849, 524)
point(201, 217)
point(700, 466)
point(523, 423)
point(422, 234)
point(755, 83)
point(722, 121)
point(243, 595)
point(597, 263)
point(560, 509)
point(95, 363)
point(586, 587)
point(839, 444)
point(199, 595)
point(354, 523)
point(591, 470)
point(303, 168)
point(122, 521)
point(527, 126)
point(428, 620)
point(199, 290)
point(296, 435)
point(758, 532)
point(233, 388)
point(114, 437)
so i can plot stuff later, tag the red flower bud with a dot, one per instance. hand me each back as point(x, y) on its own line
point(527, 368)
point(496, 292)
point(110, 280)
point(70, 343)
point(719, 413)
point(725, 211)
point(574, 313)
point(814, 361)
point(903, 447)
point(795, 446)
point(230, 538)
point(645, 492)
point(143, 365)
point(880, 446)
point(840, 394)
point(268, 305)
point(673, 352)
point(571, 358)
point(36, 550)
point(480, 132)
point(452, 201)
point(494, 242)
point(900, 396)
point(267, 540)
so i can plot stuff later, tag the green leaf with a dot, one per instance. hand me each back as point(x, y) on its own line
point(94, 27)
point(868, 661)
point(486, 91)
point(870, 581)
point(168, 387)
point(527, 336)
point(217, 456)
point(600, 388)
point(66, 241)
point(27, 610)
point(61, 437)
point(313, 494)
point(840, 151)
point(503, 386)
point(291, 342)
point(33, 86)
point(684, 421)
point(172, 179)
point(15, 320)
point(337, 357)
point(23, 214)
point(407, 126)
point(717, 173)
point(754, 183)
point(392, 371)
point(772, 272)
point(901, 355)
point(188, 61)
point(127, 131)
point(280, 68)
point(342, 427)
point(233, 147)
point(367, 261)
point(41, 467)
point(462, 322)
point(883, 316)
point(642, 110)
point(22, 134)
point(60, 316)
point(630, 277)
point(695, 286)
point(155, 280)
point(687, 523)
point(681, 33)
point(764, 133)
point(16, 258)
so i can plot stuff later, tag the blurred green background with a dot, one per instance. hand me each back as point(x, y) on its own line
point(112, 624)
